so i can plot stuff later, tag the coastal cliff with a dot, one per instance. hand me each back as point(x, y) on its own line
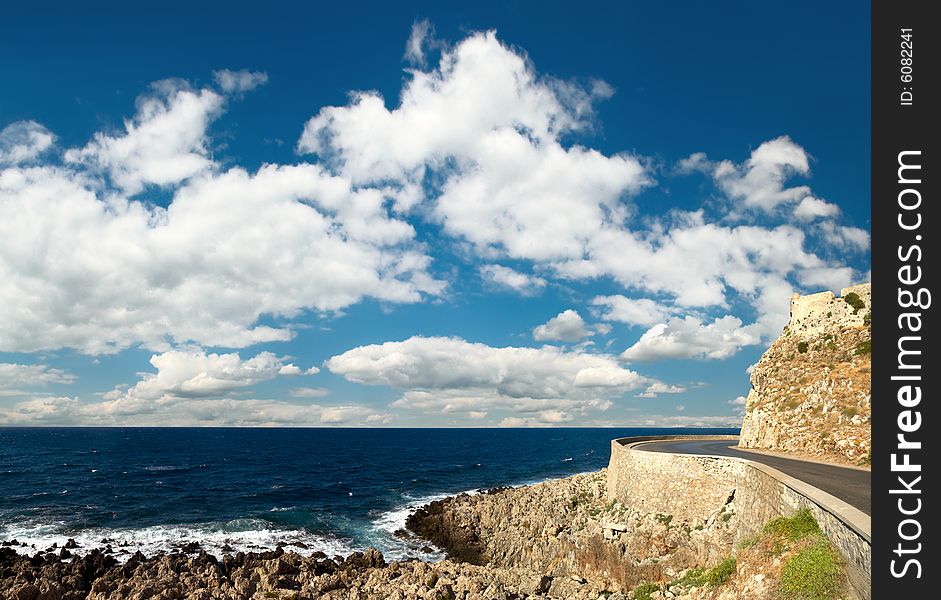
point(560, 539)
point(811, 391)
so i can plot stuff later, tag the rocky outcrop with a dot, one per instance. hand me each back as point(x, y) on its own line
point(811, 391)
point(568, 533)
point(560, 539)
point(255, 576)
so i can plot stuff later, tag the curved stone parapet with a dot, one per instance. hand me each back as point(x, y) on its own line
point(700, 486)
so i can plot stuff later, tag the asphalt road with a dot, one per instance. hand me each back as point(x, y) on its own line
point(853, 486)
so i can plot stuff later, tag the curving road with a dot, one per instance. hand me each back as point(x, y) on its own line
point(853, 486)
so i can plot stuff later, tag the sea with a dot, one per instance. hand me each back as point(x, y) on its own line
point(331, 490)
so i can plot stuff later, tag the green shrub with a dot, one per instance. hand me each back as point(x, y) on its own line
point(802, 347)
point(693, 578)
point(665, 519)
point(850, 411)
point(863, 348)
point(794, 527)
point(643, 591)
point(720, 573)
point(715, 576)
point(867, 320)
point(812, 574)
point(855, 301)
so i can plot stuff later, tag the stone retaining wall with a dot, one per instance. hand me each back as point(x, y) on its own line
point(699, 487)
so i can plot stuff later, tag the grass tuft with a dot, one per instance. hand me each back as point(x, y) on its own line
point(812, 574)
point(643, 591)
point(795, 527)
point(713, 577)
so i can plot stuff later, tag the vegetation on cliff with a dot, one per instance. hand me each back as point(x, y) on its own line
point(811, 390)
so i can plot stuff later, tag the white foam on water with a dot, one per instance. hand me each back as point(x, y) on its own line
point(241, 535)
point(398, 548)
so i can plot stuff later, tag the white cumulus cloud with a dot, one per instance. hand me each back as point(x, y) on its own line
point(23, 141)
point(760, 181)
point(811, 208)
point(633, 311)
point(86, 267)
point(164, 144)
point(689, 337)
point(450, 374)
point(567, 326)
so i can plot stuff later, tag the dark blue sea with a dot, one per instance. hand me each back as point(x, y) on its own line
point(334, 490)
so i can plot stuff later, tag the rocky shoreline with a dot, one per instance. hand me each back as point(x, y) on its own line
point(557, 539)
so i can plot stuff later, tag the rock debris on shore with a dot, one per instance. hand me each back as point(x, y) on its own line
point(558, 539)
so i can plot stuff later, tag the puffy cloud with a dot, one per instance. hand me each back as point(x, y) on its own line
point(289, 370)
point(689, 338)
point(86, 268)
point(522, 283)
point(811, 208)
point(479, 87)
point(697, 162)
point(239, 81)
point(451, 375)
point(641, 311)
point(536, 202)
point(23, 141)
point(567, 326)
point(40, 411)
point(196, 374)
point(164, 144)
point(491, 128)
point(759, 182)
point(190, 387)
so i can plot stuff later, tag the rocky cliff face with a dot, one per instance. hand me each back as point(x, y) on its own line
point(811, 391)
point(571, 537)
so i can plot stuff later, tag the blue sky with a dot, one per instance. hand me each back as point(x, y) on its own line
point(514, 214)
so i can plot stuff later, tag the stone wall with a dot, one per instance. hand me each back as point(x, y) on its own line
point(815, 314)
point(700, 488)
